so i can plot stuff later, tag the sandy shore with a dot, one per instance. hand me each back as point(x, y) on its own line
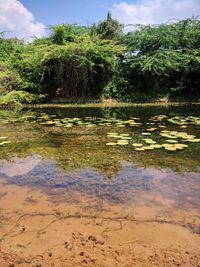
point(42, 229)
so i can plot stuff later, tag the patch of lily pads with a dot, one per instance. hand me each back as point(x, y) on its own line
point(169, 140)
point(154, 134)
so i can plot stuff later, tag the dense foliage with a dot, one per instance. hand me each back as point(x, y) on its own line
point(90, 62)
point(165, 59)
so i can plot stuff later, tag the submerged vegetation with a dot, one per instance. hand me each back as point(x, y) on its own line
point(103, 60)
point(112, 135)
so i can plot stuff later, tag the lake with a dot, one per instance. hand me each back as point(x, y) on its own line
point(116, 169)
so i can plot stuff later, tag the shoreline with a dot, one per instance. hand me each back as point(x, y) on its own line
point(44, 230)
point(108, 104)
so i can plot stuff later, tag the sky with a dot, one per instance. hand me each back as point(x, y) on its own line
point(28, 18)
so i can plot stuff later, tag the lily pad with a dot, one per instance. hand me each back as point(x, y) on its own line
point(171, 141)
point(139, 149)
point(111, 144)
point(5, 143)
point(122, 142)
point(137, 145)
point(149, 141)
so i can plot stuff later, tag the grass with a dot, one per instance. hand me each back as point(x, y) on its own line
point(109, 104)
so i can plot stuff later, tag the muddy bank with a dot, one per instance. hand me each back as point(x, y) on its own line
point(38, 228)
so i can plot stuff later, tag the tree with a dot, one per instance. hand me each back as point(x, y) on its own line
point(79, 61)
point(110, 28)
point(78, 65)
point(63, 33)
point(164, 59)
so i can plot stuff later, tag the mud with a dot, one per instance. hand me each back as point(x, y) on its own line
point(38, 228)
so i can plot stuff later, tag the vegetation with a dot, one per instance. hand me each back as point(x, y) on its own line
point(19, 97)
point(80, 62)
point(92, 142)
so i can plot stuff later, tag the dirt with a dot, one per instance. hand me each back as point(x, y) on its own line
point(42, 229)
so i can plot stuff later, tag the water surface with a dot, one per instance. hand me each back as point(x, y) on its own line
point(68, 149)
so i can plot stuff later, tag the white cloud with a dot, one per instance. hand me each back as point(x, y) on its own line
point(155, 11)
point(20, 22)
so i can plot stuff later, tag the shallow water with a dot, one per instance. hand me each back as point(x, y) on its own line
point(78, 158)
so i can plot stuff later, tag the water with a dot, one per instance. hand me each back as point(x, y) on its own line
point(77, 158)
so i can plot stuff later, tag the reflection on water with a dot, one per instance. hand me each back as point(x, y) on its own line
point(76, 158)
point(19, 166)
point(130, 183)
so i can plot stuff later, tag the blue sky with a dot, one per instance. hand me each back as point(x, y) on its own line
point(58, 11)
point(30, 18)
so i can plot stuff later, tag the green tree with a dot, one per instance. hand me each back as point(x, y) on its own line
point(163, 59)
point(79, 61)
point(62, 33)
point(110, 28)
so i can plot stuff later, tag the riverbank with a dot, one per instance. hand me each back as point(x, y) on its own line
point(108, 104)
point(45, 229)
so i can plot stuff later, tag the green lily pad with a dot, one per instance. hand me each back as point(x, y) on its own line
point(139, 149)
point(151, 129)
point(146, 133)
point(5, 143)
point(111, 144)
point(137, 145)
point(197, 140)
point(171, 141)
point(150, 141)
point(122, 142)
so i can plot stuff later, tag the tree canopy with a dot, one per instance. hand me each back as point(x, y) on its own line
point(77, 61)
point(109, 28)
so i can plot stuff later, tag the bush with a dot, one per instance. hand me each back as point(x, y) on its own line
point(17, 98)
